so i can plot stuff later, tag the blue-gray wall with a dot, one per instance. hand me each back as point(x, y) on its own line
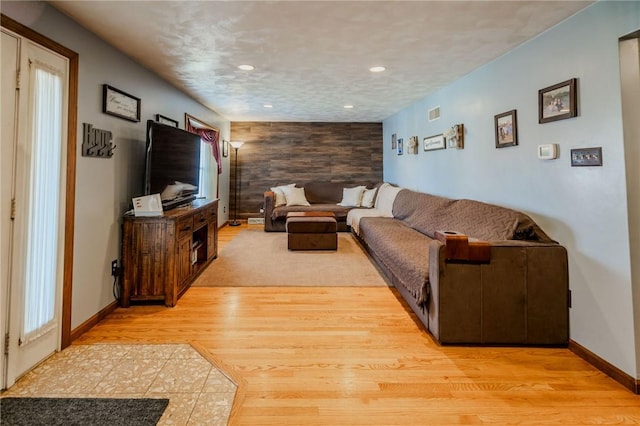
point(104, 187)
point(585, 208)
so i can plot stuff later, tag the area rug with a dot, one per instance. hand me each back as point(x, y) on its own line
point(81, 411)
point(255, 258)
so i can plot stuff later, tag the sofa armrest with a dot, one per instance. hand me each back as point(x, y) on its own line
point(519, 297)
point(269, 205)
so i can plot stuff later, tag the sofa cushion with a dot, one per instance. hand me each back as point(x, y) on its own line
point(403, 251)
point(430, 213)
point(339, 211)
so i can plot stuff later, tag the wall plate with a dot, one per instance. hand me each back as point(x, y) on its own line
point(548, 151)
point(586, 157)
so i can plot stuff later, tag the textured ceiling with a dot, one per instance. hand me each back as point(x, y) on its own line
point(313, 57)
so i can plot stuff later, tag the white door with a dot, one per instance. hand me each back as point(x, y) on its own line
point(36, 225)
point(10, 64)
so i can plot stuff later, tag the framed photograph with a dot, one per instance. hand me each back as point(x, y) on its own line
point(558, 102)
point(432, 143)
point(120, 104)
point(400, 146)
point(225, 148)
point(394, 141)
point(506, 125)
point(166, 120)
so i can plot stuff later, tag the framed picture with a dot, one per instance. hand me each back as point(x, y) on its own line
point(412, 145)
point(432, 143)
point(120, 104)
point(225, 148)
point(454, 136)
point(558, 102)
point(506, 125)
point(394, 141)
point(400, 146)
point(166, 120)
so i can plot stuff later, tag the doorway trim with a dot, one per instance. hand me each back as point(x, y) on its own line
point(70, 201)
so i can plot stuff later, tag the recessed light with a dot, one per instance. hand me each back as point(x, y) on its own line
point(377, 69)
point(348, 106)
point(267, 106)
point(246, 67)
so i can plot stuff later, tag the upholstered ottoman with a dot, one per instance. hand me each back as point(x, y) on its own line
point(312, 231)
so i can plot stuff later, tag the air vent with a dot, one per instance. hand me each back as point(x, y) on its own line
point(434, 113)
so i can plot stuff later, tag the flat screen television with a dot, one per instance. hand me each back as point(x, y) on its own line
point(172, 156)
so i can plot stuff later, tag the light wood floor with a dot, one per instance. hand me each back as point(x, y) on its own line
point(349, 356)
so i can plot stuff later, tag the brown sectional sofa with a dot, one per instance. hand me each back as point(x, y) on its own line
point(322, 196)
point(519, 297)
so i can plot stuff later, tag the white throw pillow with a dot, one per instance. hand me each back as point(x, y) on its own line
point(386, 196)
point(295, 196)
point(280, 199)
point(368, 197)
point(352, 197)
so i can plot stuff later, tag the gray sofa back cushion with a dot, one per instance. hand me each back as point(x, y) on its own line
point(328, 192)
point(429, 213)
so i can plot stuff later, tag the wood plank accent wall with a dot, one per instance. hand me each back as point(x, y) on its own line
point(284, 152)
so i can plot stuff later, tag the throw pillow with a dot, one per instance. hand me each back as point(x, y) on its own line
point(386, 196)
point(368, 197)
point(295, 196)
point(280, 199)
point(352, 197)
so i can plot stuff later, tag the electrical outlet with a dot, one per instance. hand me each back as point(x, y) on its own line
point(114, 268)
point(224, 209)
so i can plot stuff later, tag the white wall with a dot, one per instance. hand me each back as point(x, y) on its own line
point(584, 208)
point(104, 187)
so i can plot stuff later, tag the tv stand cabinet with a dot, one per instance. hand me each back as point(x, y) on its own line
point(162, 255)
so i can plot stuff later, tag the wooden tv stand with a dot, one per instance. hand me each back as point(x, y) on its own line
point(162, 255)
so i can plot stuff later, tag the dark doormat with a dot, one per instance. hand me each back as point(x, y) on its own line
point(81, 411)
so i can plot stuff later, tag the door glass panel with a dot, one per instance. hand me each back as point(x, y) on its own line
point(43, 199)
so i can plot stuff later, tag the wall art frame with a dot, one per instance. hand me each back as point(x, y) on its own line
point(120, 104)
point(400, 146)
point(506, 127)
point(166, 120)
point(433, 143)
point(454, 136)
point(225, 148)
point(558, 102)
point(394, 141)
point(413, 145)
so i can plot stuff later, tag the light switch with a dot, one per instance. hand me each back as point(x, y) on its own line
point(586, 157)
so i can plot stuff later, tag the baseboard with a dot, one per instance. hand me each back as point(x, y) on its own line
point(86, 326)
point(610, 370)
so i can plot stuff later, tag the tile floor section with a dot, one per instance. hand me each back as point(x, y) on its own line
point(199, 393)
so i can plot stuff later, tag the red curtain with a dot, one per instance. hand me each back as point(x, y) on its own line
point(211, 137)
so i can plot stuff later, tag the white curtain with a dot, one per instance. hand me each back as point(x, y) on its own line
point(43, 198)
point(204, 186)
